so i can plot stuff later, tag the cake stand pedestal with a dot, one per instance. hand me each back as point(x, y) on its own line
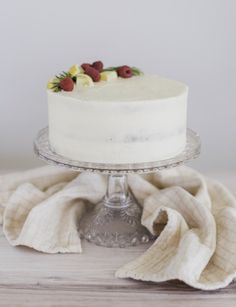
point(116, 220)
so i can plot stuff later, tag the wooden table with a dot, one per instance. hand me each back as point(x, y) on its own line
point(30, 278)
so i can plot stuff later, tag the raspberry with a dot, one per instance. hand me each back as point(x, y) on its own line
point(93, 73)
point(124, 71)
point(98, 65)
point(66, 84)
point(85, 66)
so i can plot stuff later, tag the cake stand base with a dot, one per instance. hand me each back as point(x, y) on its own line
point(116, 220)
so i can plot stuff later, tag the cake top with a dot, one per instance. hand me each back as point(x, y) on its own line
point(90, 82)
point(146, 87)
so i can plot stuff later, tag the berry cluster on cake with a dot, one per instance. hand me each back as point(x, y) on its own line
point(116, 115)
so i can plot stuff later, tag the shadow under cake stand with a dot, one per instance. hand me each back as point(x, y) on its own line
point(116, 220)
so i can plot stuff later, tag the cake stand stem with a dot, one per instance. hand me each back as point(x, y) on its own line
point(116, 219)
point(117, 195)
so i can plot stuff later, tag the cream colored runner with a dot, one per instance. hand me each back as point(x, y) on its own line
point(194, 217)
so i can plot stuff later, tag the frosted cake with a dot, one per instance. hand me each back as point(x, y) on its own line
point(116, 115)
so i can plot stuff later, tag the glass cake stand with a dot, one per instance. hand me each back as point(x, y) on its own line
point(116, 220)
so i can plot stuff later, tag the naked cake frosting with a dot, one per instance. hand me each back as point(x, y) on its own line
point(116, 115)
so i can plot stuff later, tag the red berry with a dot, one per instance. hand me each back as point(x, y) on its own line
point(93, 73)
point(124, 71)
point(98, 65)
point(85, 66)
point(66, 84)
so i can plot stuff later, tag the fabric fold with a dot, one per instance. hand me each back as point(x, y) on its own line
point(192, 217)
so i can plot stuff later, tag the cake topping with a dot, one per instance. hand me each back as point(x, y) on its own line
point(75, 70)
point(85, 66)
point(67, 84)
point(124, 71)
point(84, 80)
point(52, 84)
point(98, 65)
point(87, 74)
point(134, 70)
point(93, 73)
point(108, 75)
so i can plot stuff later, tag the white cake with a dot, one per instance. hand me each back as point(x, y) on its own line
point(140, 119)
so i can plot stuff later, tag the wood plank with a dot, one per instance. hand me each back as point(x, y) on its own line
point(19, 297)
point(63, 279)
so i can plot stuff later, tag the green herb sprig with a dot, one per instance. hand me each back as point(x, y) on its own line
point(136, 71)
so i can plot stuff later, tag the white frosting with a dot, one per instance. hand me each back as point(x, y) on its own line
point(141, 119)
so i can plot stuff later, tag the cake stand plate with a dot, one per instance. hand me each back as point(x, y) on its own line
point(116, 220)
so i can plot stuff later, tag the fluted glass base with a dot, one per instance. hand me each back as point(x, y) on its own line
point(116, 220)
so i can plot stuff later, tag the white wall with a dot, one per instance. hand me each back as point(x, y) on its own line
point(189, 40)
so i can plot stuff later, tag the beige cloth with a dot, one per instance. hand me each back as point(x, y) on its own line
point(194, 217)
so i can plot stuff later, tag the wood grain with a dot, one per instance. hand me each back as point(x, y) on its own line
point(30, 278)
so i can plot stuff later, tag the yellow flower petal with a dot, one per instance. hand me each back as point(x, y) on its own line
point(84, 80)
point(75, 70)
point(108, 75)
point(50, 85)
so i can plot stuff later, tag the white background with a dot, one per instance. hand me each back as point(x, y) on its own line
point(188, 40)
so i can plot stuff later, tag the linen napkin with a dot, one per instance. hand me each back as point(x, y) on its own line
point(194, 219)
